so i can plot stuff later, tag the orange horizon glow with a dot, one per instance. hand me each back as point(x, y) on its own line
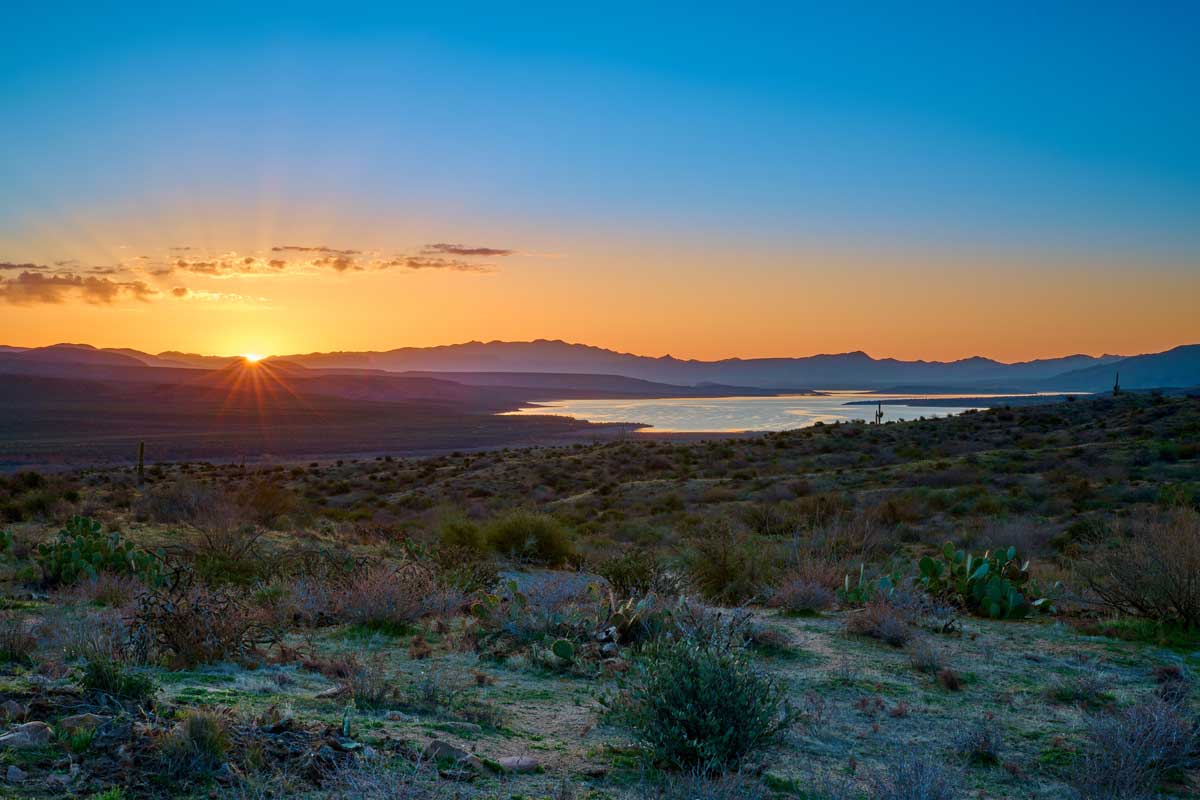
point(643, 294)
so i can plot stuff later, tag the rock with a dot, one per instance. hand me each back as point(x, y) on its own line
point(11, 711)
point(596, 771)
point(439, 750)
point(614, 665)
point(80, 722)
point(610, 650)
point(519, 764)
point(15, 774)
point(31, 734)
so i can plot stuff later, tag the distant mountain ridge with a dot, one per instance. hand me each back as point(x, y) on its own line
point(550, 364)
point(825, 371)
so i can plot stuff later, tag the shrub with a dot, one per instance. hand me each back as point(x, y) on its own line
point(1151, 570)
point(636, 572)
point(698, 707)
point(265, 501)
point(525, 534)
point(458, 531)
point(189, 624)
point(1130, 752)
point(197, 745)
point(391, 597)
point(696, 785)
point(112, 677)
point(982, 743)
point(881, 620)
point(801, 596)
point(925, 656)
point(107, 589)
point(727, 565)
point(17, 642)
point(914, 776)
point(370, 687)
point(189, 501)
point(560, 606)
point(229, 554)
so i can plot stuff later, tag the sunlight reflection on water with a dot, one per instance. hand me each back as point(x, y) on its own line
point(690, 414)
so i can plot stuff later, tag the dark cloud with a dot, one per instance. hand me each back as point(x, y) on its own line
point(104, 270)
point(341, 263)
point(180, 291)
point(444, 248)
point(181, 249)
point(8, 265)
point(199, 267)
point(318, 249)
point(30, 288)
point(277, 263)
point(423, 262)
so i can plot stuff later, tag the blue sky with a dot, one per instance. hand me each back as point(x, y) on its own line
point(1057, 131)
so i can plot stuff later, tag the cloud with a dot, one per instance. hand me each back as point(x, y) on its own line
point(317, 249)
point(462, 250)
point(30, 288)
point(199, 267)
point(277, 263)
point(340, 263)
point(200, 295)
point(423, 262)
point(9, 265)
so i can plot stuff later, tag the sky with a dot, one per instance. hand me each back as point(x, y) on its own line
point(934, 180)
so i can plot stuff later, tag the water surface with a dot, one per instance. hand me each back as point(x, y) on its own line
point(690, 414)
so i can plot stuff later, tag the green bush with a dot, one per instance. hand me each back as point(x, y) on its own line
point(538, 537)
point(197, 745)
point(113, 677)
point(458, 531)
point(82, 550)
point(698, 706)
point(728, 565)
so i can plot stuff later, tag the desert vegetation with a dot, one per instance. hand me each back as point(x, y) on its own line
point(1004, 604)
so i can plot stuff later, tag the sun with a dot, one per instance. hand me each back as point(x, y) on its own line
point(253, 357)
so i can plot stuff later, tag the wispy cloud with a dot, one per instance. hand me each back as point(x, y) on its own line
point(443, 248)
point(295, 248)
point(428, 262)
point(6, 266)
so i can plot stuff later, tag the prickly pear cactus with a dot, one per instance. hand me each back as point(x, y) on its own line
point(83, 551)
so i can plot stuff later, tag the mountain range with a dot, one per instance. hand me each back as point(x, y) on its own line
point(557, 365)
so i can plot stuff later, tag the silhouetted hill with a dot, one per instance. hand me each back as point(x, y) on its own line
point(829, 371)
point(1175, 368)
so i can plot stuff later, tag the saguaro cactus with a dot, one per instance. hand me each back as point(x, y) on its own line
point(141, 467)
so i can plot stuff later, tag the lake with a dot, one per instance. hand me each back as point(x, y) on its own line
point(698, 414)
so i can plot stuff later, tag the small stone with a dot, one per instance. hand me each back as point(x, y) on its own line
point(31, 734)
point(80, 722)
point(519, 764)
point(11, 711)
point(15, 774)
point(439, 750)
point(610, 650)
point(614, 665)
